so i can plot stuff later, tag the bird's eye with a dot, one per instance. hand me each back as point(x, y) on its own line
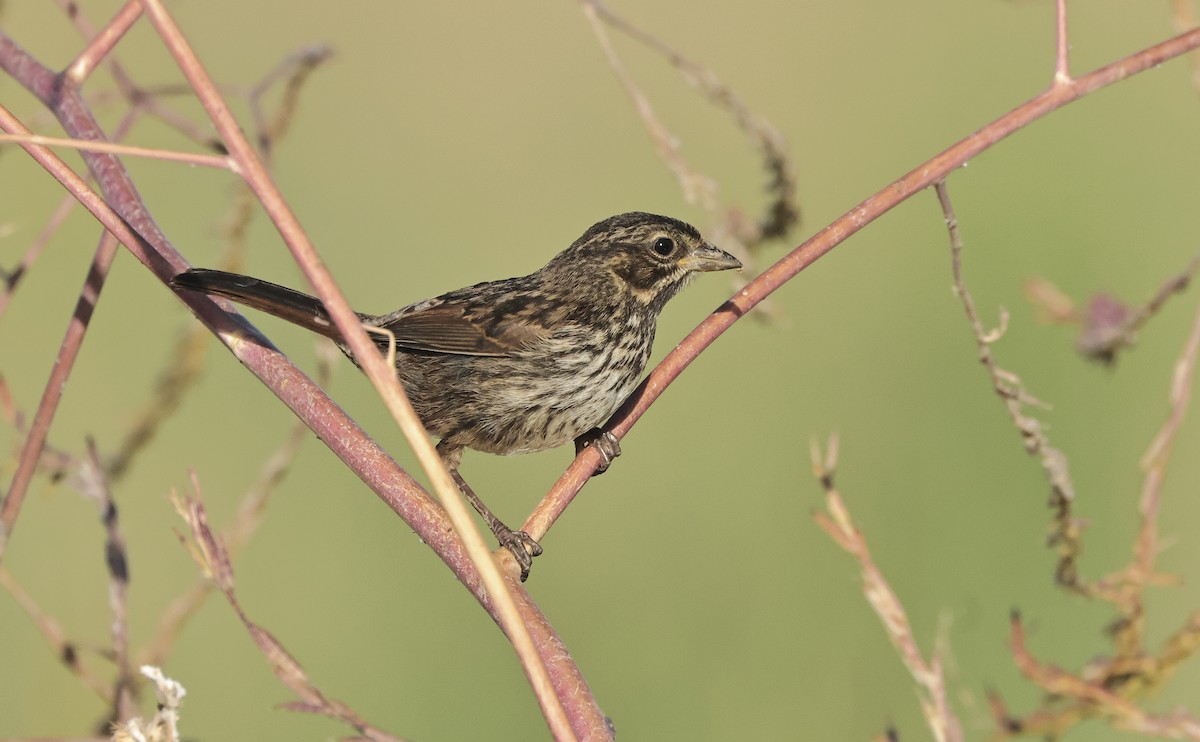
point(664, 246)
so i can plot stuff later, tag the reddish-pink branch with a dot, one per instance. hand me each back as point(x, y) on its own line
point(103, 42)
point(1062, 46)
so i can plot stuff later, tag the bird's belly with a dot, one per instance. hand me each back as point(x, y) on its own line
point(576, 393)
point(537, 400)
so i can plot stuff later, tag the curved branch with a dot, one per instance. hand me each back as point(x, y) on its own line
point(1060, 93)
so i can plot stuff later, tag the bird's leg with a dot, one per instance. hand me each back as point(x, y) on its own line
point(605, 443)
point(522, 546)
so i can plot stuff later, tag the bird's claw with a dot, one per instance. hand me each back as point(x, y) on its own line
point(523, 547)
point(605, 443)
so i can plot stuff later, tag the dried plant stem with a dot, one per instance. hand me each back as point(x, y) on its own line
point(65, 649)
point(166, 155)
point(1174, 285)
point(1154, 461)
point(12, 278)
point(213, 559)
point(1132, 671)
point(884, 601)
point(696, 187)
point(781, 213)
point(1008, 386)
point(95, 487)
point(1088, 698)
point(236, 536)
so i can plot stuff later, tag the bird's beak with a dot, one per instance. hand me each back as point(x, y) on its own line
point(707, 258)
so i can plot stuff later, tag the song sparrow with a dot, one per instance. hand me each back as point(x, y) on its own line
point(523, 364)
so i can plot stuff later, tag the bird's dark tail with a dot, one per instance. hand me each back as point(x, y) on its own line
point(295, 307)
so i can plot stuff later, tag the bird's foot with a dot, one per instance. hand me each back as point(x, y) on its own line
point(522, 546)
point(605, 443)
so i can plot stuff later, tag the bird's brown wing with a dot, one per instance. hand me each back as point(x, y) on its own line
point(454, 328)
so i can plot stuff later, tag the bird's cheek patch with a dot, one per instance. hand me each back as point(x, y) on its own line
point(639, 276)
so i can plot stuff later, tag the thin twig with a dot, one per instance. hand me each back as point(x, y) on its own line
point(55, 385)
point(696, 186)
point(1066, 531)
point(13, 277)
point(1087, 698)
point(237, 535)
point(166, 155)
point(1174, 285)
point(1109, 326)
point(100, 44)
point(213, 559)
point(1154, 461)
point(94, 486)
point(731, 228)
point(66, 650)
point(294, 71)
point(1062, 46)
point(781, 213)
point(884, 601)
point(1132, 671)
point(185, 365)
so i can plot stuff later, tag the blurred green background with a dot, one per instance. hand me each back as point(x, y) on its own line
point(447, 144)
